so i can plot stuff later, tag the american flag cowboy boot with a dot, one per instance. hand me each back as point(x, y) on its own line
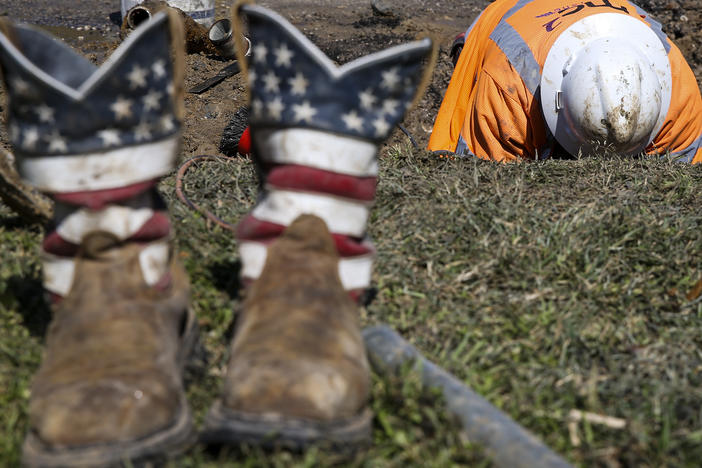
point(97, 140)
point(298, 372)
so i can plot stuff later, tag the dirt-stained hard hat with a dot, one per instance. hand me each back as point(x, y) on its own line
point(606, 82)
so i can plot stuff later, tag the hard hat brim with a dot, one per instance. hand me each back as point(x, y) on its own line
point(575, 40)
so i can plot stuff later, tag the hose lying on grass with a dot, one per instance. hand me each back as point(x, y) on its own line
point(508, 443)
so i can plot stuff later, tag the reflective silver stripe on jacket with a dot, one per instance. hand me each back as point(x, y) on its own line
point(517, 50)
point(462, 148)
point(688, 154)
point(655, 27)
point(520, 55)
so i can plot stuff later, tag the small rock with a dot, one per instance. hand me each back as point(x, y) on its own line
point(383, 7)
point(197, 65)
point(211, 111)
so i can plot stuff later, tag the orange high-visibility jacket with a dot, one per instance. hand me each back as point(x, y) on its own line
point(492, 109)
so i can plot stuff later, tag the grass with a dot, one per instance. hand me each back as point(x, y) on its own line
point(545, 287)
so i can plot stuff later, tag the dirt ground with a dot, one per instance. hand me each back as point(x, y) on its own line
point(343, 29)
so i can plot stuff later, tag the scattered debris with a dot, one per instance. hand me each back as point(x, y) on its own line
point(577, 416)
point(230, 70)
point(695, 292)
point(196, 39)
point(24, 200)
point(200, 10)
point(233, 132)
point(594, 418)
point(383, 7)
point(221, 35)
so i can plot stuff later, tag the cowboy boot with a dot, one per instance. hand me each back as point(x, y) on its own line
point(96, 140)
point(298, 372)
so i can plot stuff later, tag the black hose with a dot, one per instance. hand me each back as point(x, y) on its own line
point(509, 444)
point(409, 135)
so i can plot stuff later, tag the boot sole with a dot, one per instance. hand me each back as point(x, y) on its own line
point(224, 426)
point(164, 444)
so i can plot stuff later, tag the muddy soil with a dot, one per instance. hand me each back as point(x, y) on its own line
point(343, 29)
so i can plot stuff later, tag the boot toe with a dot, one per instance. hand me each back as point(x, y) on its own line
point(107, 411)
point(307, 390)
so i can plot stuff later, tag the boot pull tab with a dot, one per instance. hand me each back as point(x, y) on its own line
point(95, 244)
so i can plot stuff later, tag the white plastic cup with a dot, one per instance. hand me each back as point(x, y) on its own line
point(202, 11)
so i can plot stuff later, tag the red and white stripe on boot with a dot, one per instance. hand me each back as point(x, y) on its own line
point(313, 172)
point(132, 214)
point(316, 128)
point(97, 139)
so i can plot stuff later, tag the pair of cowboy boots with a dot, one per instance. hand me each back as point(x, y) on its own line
point(97, 140)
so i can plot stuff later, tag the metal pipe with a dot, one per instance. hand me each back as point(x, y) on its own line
point(137, 15)
point(508, 443)
point(221, 35)
point(202, 11)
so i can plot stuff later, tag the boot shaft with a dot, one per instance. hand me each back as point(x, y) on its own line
point(315, 130)
point(97, 139)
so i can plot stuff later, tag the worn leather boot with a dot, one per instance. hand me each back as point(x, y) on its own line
point(110, 388)
point(298, 373)
point(315, 130)
point(96, 140)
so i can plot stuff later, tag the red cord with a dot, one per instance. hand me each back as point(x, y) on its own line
point(181, 195)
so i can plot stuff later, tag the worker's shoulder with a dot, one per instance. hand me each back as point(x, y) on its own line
point(534, 26)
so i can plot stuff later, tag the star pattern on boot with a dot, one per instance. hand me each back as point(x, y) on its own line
point(122, 108)
point(45, 113)
point(20, 86)
point(276, 108)
point(137, 77)
point(293, 84)
point(159, 68)
point(31, 138)
point(57, 144)
point(90, 109)
point(151, 100)
point(142, 132)
point(110, 137)
point(353, 121)
point(298, 84)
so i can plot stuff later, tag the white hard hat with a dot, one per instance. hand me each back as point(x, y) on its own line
point(606, 82)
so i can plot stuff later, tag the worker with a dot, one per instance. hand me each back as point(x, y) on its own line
point(557, 78)
point(97, 140)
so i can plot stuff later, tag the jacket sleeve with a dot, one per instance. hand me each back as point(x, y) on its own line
point(681, 134)
point(497, 126)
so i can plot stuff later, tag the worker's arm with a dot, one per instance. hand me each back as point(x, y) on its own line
point(497, 126)
point(681, 134)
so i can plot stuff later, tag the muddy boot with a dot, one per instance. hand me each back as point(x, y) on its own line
point(109, 389)
point(298, 373)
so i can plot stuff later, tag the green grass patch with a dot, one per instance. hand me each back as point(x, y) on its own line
point(546, 287)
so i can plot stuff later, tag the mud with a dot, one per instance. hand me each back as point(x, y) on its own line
point(343, 29)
